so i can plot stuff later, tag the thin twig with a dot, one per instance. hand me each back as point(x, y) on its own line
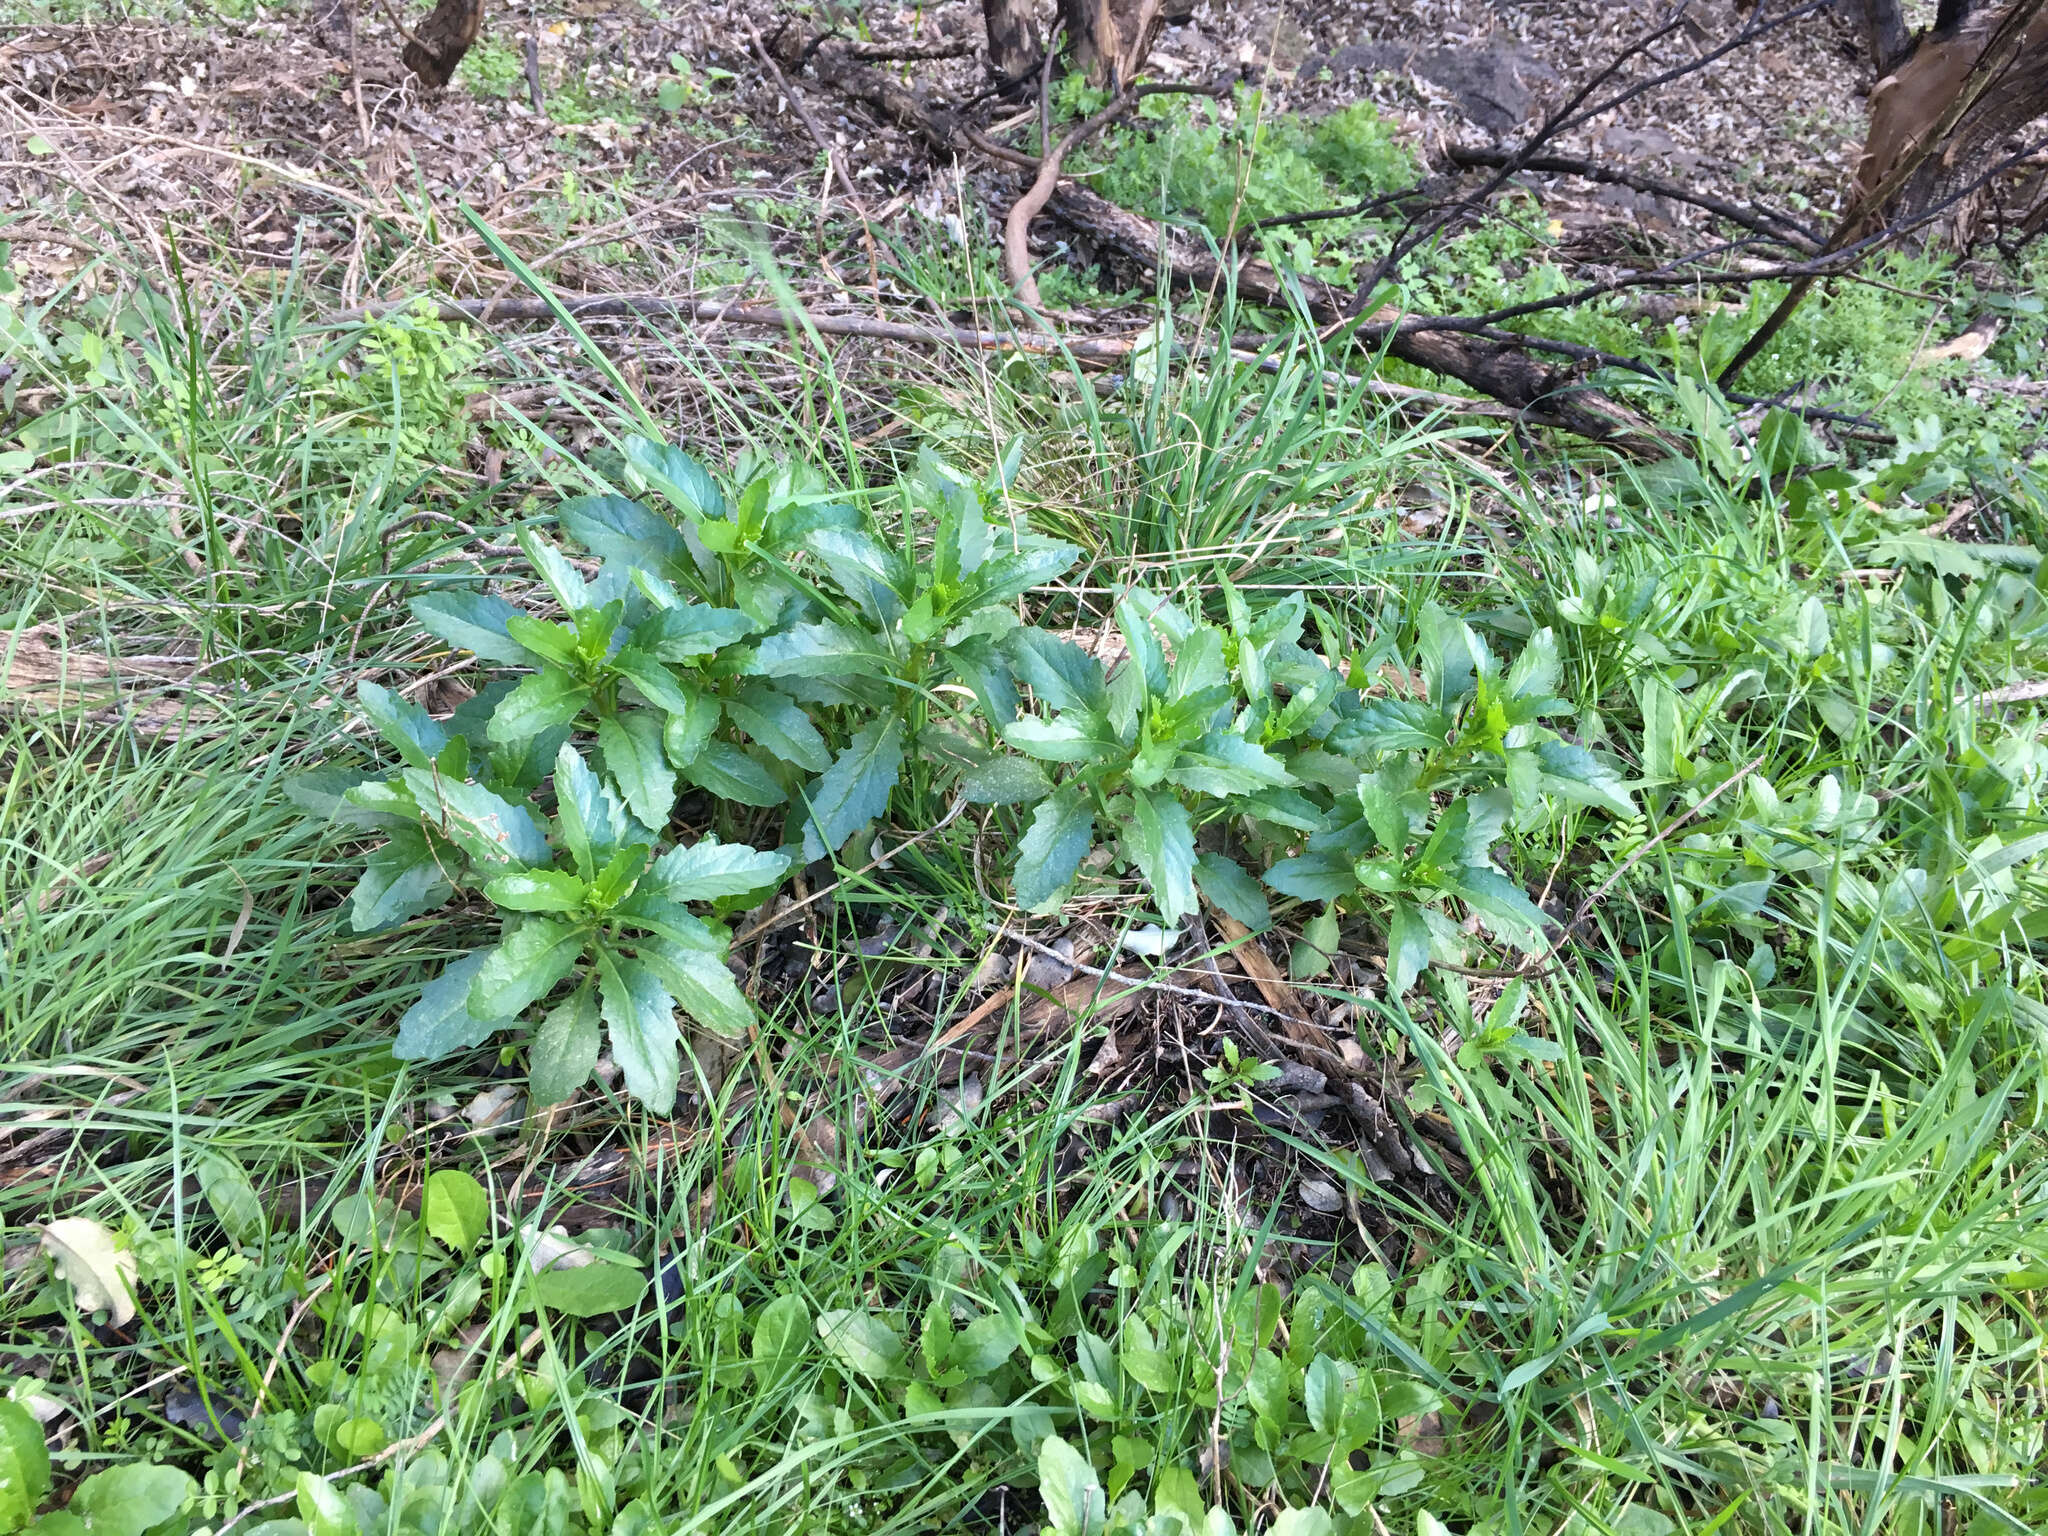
point(782, 917)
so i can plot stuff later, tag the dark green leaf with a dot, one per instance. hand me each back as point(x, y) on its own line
point(553, 567)
point(873, 575)
point(1004, 781)
point(565, 1050)
point(614, 528)
point(1393, 725)
point(548, 641)
point(414, 734)
point(690, 629)
point(1224, 764)
point(489, 829)
point(634, 758)
point(400, 880)
point(702, 986)
point(1074, 737)
point(471, 621)
point(1147, 655)
point(440, 1023)
point(1012, 575)
point(537, 890)
point(1233, 892)
point(729, 773)
point(676, 925)
point(779, 723)
point(709, 869)
point(688, 731)
point(824, 650)
point(1576, 774)
point(1312, 877)
point(592, 820)
point(1061, 833)
point(1499, 899)
point(652, 680)
point(550, 697)
point(1161, 842)
point(524, 967)
point(1407, 947)
point(855, 789)
point(672, 472)
point(1062, 674)
point(641, 1020)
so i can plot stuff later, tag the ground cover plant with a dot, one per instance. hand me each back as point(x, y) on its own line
point(619, 925)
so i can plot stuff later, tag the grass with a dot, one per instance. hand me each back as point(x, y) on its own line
point(1745, 1227)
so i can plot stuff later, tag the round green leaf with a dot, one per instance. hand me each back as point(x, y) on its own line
point(456, 1209)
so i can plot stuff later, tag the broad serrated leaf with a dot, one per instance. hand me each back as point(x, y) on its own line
point(1505, 904)
point(687, 732)
point(547, 640)
point(1407, 947)
point(1393, 725)
point(1061, 674)
point(708, 870)
point(779, 723)
point(472, 621)
point(1061, 833)
point(548, 698)
point(677, 476)
point(593, 822)
point(1573, 772)
point(1160, 840)
point(565, 1049)
point(690, 629)
point(414, 734)
point(616, 528)
point(635, 759)
point(1318, 877)
point(652, 680)
point(1535, 672)
point(640, 1019)
point(1004, 781)
point(1074, 737)
point(674, 924)
point(1233, 892)
point(553, 568)
point(440, 1023)
point(400, 880)
point(824, 649)
point(1004, 577)
point(485, 826)
point(701, 985)
point(1224, 764)
point(855, 789)
point(524, 967)
point(727, 771)
point(537, 890)
point(868, 571)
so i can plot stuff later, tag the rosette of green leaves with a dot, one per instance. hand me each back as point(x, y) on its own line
point(1146, 754)
point(900, 628)
point(597, 910)
point(1441, 777)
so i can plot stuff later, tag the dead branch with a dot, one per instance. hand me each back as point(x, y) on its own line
point(1774, 226)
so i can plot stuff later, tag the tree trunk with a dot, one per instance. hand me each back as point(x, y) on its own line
point(442, 39)
point(1013, 52)
point(1884, 30)
point(1109, 40)
point(334, 27)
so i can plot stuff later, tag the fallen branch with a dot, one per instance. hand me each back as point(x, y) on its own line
point(1774, 226)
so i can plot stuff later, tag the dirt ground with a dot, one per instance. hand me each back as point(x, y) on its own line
point(653, 124)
